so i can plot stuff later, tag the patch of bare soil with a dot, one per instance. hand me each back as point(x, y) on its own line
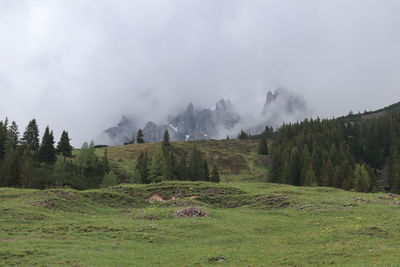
point(156, 198)
point(191, 212)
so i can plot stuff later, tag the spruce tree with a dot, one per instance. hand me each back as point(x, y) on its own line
point(166, 141)
point(142, 167)
point(47, 151)
point(13, 135)
point(30, 137)
point(10, 171)
point(243, 135)
point(215, 175)
point(362, 179)
point(140, 137)
point(263, 145)
point(3, 139)
point(206, 171)
point(64, 147)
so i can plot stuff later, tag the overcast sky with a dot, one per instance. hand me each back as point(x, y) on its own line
point(81, 65)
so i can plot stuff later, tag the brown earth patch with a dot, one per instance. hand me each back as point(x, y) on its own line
point(191, 212)
point(156, 198)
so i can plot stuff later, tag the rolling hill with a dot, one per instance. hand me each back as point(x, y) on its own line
point(235, 159)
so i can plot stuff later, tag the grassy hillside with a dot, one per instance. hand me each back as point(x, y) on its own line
point(249, 224)
point(394, 108)
point(235, 159)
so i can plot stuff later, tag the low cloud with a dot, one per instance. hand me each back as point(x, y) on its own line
point(81, 65)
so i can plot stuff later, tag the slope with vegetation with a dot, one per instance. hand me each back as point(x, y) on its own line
point(360, 152)
point(235, 159)
point(245, 224)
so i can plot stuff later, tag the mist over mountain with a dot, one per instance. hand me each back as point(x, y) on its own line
point(196, 123)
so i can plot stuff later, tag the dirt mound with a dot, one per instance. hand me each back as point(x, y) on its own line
point(156, 198)
point(191, 212)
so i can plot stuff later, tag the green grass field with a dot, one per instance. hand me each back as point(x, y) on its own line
point(249, 224)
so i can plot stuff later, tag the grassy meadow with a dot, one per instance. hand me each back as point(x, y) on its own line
point(249, 224)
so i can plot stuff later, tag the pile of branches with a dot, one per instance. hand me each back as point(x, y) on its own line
point(191, 212)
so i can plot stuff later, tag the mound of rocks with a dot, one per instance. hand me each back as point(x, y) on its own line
point(191, 212)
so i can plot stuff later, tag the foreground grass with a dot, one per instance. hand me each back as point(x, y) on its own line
point(250, 224)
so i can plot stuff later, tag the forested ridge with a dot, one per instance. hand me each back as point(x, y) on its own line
point(342, 153)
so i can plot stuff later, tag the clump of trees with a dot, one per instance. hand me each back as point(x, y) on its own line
point(29, 162)
point(171, 163)
point(338, 152)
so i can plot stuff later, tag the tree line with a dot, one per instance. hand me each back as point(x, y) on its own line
point(172, 163)
point(352, 155)
point(30, 163)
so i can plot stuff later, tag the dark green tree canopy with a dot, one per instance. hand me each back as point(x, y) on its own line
point(64, 147)
point(140, 137)
point(47, 152)
point(166, 141)
point(30, 137)
point(263, 145)
point(215, 175)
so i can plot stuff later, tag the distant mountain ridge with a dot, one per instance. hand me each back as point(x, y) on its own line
point(203, 123)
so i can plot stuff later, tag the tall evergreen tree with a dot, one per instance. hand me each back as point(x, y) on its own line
point(263, 145)
point(362, 179)
point(166, 141)
point(215, 175)
point(3, 139)
point(30, 137)
point(47, 151)
point(140, 137)
point(142, 167)
point(13, 135)
point(64, 147)
point(10, 171)
point(243, 135)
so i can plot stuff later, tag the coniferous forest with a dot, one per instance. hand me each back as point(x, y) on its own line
point(28, 162)
point(361, 155)
point(31, 162)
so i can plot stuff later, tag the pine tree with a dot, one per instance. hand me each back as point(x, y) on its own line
point(140, 137)
point(3, 139)
point(155, 170)
point(13, 135)
point(142, 167)
point(243, 135)
point(106, 163)
point(263, 145)
point(310, 178)
point(166, 141)
point(10, 171)
point(64, 147)
point(206, 171)
point(47, 152)
point(30, 137)
point(215, 175)
point(362, 179)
